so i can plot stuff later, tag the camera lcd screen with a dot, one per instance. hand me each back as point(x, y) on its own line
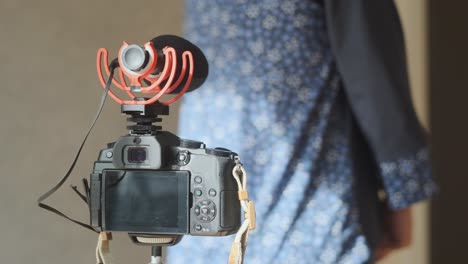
point(146, 201)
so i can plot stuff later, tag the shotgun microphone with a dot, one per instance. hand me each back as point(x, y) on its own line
point(135, 58)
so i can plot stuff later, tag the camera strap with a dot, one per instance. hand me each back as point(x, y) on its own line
point(239, 245)
point(103, 255)
point(40, 200)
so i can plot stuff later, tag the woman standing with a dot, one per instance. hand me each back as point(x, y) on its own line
point(313, 96)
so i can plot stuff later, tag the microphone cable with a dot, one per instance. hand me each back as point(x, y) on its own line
point(40, 201)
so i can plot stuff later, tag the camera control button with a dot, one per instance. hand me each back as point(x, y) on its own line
point(109, 154)
point(198, 192)
point(205, 210)
point(212, 211)
point(198, 227)
point(183, 158)
point(212, 192)
point(198, 179)
point(205, 202)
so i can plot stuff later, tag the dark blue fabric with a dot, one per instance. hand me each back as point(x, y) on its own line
point(275, 96)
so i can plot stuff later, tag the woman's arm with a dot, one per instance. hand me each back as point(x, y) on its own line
point(367, 41)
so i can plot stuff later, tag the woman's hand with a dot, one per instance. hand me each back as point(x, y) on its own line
point(397, 232)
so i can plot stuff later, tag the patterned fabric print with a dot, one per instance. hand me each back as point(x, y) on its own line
point(408, 180)
point(274, 97)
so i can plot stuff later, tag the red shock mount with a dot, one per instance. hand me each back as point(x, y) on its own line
point(156, 85)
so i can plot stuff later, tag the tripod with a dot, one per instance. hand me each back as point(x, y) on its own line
point(156, 255)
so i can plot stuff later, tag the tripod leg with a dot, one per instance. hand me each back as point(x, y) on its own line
point(156, 255)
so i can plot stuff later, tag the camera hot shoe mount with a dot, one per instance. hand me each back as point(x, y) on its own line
point(144, 116)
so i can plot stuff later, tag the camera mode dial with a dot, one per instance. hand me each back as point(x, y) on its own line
point(192, 144)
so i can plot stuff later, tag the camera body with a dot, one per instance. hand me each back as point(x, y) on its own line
point(159, 184)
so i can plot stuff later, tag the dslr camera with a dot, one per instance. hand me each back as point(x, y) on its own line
point(151, 183)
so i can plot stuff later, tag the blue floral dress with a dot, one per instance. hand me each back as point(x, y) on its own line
point(276, 95)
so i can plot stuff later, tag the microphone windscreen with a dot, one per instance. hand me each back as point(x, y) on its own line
point(200, 64)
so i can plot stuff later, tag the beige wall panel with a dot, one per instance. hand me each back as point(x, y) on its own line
point(413, 16)
point(48, 98)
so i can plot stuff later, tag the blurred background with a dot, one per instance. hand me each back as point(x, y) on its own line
point(50, 93)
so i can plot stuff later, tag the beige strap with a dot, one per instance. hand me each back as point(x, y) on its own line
point(243, 195)
point(236, 253)
point(239, 245)
point(103, 255)
point(251, 216)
